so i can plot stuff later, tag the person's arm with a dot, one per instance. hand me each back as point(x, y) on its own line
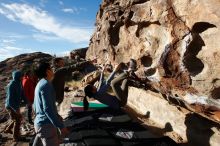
point(101, 79)
point(111, 76)
point(78, 65)
point(27, 90)
point(23, 97)
point(49, 107)
point(106, 85)
point(70, 68)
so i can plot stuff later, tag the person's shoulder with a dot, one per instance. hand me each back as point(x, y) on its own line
point(43, 83)
point(11, 83)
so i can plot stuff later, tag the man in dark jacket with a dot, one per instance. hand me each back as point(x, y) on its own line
point(12, 104)
point(60, 73)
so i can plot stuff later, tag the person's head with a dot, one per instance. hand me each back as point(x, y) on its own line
point(59, 62)
point(90, 90)
point(16, 75)
point(44, 71)
point(27, 73)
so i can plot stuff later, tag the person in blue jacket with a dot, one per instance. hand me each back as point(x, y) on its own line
point(13, 99)
point(47, 119)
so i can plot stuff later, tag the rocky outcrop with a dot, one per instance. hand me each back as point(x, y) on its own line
point(174, 42)
point(80, 52)
point(176, 45)
point(189, 128)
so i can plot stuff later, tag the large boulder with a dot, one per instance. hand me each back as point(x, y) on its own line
point(174, 43)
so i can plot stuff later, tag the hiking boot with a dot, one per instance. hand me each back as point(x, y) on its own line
point(31, 122)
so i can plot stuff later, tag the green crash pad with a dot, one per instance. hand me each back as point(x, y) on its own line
point(93, 105)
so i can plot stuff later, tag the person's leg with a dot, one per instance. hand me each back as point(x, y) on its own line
point(30, 114)
point(124, 88)
point(48, 135)
point(17, 125)
point(120, 88)
point(37, 141)
point(9, 127)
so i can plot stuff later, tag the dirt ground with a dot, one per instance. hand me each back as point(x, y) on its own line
point(27, 131)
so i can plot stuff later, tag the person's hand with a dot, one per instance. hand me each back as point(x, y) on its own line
point(64, 131)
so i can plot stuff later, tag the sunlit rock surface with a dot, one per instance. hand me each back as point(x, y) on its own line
point(176, 44)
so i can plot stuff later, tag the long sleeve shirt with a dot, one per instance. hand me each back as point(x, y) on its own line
point(28, 86)
point(102, 95)
point(44, 105)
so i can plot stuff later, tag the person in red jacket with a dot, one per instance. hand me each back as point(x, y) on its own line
point(29, 84)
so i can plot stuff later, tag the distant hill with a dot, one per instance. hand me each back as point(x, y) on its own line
point(18, 62)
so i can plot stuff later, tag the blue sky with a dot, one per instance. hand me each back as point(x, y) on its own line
point(50, 26)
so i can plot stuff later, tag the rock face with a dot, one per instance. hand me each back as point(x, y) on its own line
point(175, 43)
point(81, 52)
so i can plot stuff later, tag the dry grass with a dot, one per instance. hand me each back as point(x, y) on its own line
point(73, 84)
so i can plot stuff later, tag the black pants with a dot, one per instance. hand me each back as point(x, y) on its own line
point(29, 112)
point(120, 88)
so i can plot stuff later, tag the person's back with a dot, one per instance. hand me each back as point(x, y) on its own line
point(29, 84)
point(14, 91)
point(12, 104)
point(44, 89)
point(29, 87)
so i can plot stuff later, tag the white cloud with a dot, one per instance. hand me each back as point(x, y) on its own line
point(74, 10)
point(68, 10)
point(1, 11)
point(44, 22)
point(43, 2)
point(45, 37)
point(10, 51)
point(10, 48)
point(8, 41)
point(9, 16)
point(61, 2)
